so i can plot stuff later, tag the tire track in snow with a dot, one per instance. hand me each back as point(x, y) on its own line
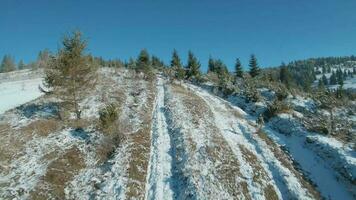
point(159, 169)
point(283, 177)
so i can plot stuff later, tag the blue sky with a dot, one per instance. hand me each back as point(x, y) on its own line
point(274, 30)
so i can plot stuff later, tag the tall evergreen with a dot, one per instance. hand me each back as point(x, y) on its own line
point(175, 62)
point(333, 79)
point(193, 66)
point(21, 65)
point(143, 59)
point(238, 69)
point(211, 65)
point(69, 74)
point(324, 80)
point(284, 75)
point(254, 68)
point(7, 64)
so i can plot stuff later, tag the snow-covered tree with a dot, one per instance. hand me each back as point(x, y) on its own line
point(238, 69)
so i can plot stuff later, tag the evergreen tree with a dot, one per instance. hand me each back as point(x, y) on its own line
point(333, 79)
point(43, 58)
point(254, 68)
point(176, 65)
point(285, 75)
point(238, 69)
point(21, 65)
point(193, 66)
point(143, 59)
point(175, 62)
point(324, 79)
point(211, 65)
point(144, 64)
point(131, 64)
point(7, 64)
point(69, 74)
point(321, 85)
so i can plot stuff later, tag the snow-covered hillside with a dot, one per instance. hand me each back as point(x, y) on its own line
point(177, 141)
point(17, 88)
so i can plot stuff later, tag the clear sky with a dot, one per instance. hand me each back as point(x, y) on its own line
point(274, 30)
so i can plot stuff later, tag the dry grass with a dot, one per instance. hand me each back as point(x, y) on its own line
point(42, 127)
point(58, 174)
point(218, 150)
point(140, 148)
point(286, 162)
point(259, 174)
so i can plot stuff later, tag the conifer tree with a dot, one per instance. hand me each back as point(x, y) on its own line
point(176, 65)
point(284, 75)
point(333, 79)
point(254, 68)
point(21, 65)
point(144, 64)
point(211, 65)
point(193, 66)
point(324, 80)
point(69, 74)
point(7, 64)
point(175, 62)
point(238, 69)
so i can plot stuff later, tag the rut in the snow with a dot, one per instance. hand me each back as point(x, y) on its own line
point(159, 169)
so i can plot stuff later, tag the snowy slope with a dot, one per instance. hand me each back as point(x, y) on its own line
point(15, 93)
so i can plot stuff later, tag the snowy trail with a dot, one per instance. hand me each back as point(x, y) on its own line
point(159, 169)
point(237, 131)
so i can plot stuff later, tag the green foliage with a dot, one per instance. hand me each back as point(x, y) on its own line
point(238, 69)
point(108, 115)
point(254, 68)
point(285, 76)
point(176, 62)
point(21, 65)
point(193, 67)
point(7, 64)
point(217, 66)
point(69, 74)
point(275, 108)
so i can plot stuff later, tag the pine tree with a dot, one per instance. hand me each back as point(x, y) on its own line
point(43, 58)
point(324, 79)
point(211, 65)
point(176, 65)
point(193, 66)
point(284, 75)
point(254, 68)
point(7, 64)
point(175, 62)
point(143, 59)
point(21, 65)
point(69, 74)
point(238, 69)
point(333, 79)
point(144, 64)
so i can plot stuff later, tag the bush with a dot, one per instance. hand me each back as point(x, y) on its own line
point(108, 115)
point(275, 108)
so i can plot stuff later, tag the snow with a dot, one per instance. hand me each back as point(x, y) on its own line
point(320, 172)
point(159, 170)
point(15, 93)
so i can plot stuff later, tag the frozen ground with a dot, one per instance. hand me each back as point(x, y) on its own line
point(179, 142)
point(15, 93)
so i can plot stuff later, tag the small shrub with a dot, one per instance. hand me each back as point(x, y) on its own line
point(108, 115)
point(275, 108)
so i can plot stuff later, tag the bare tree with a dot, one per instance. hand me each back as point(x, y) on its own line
point(69, 74)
